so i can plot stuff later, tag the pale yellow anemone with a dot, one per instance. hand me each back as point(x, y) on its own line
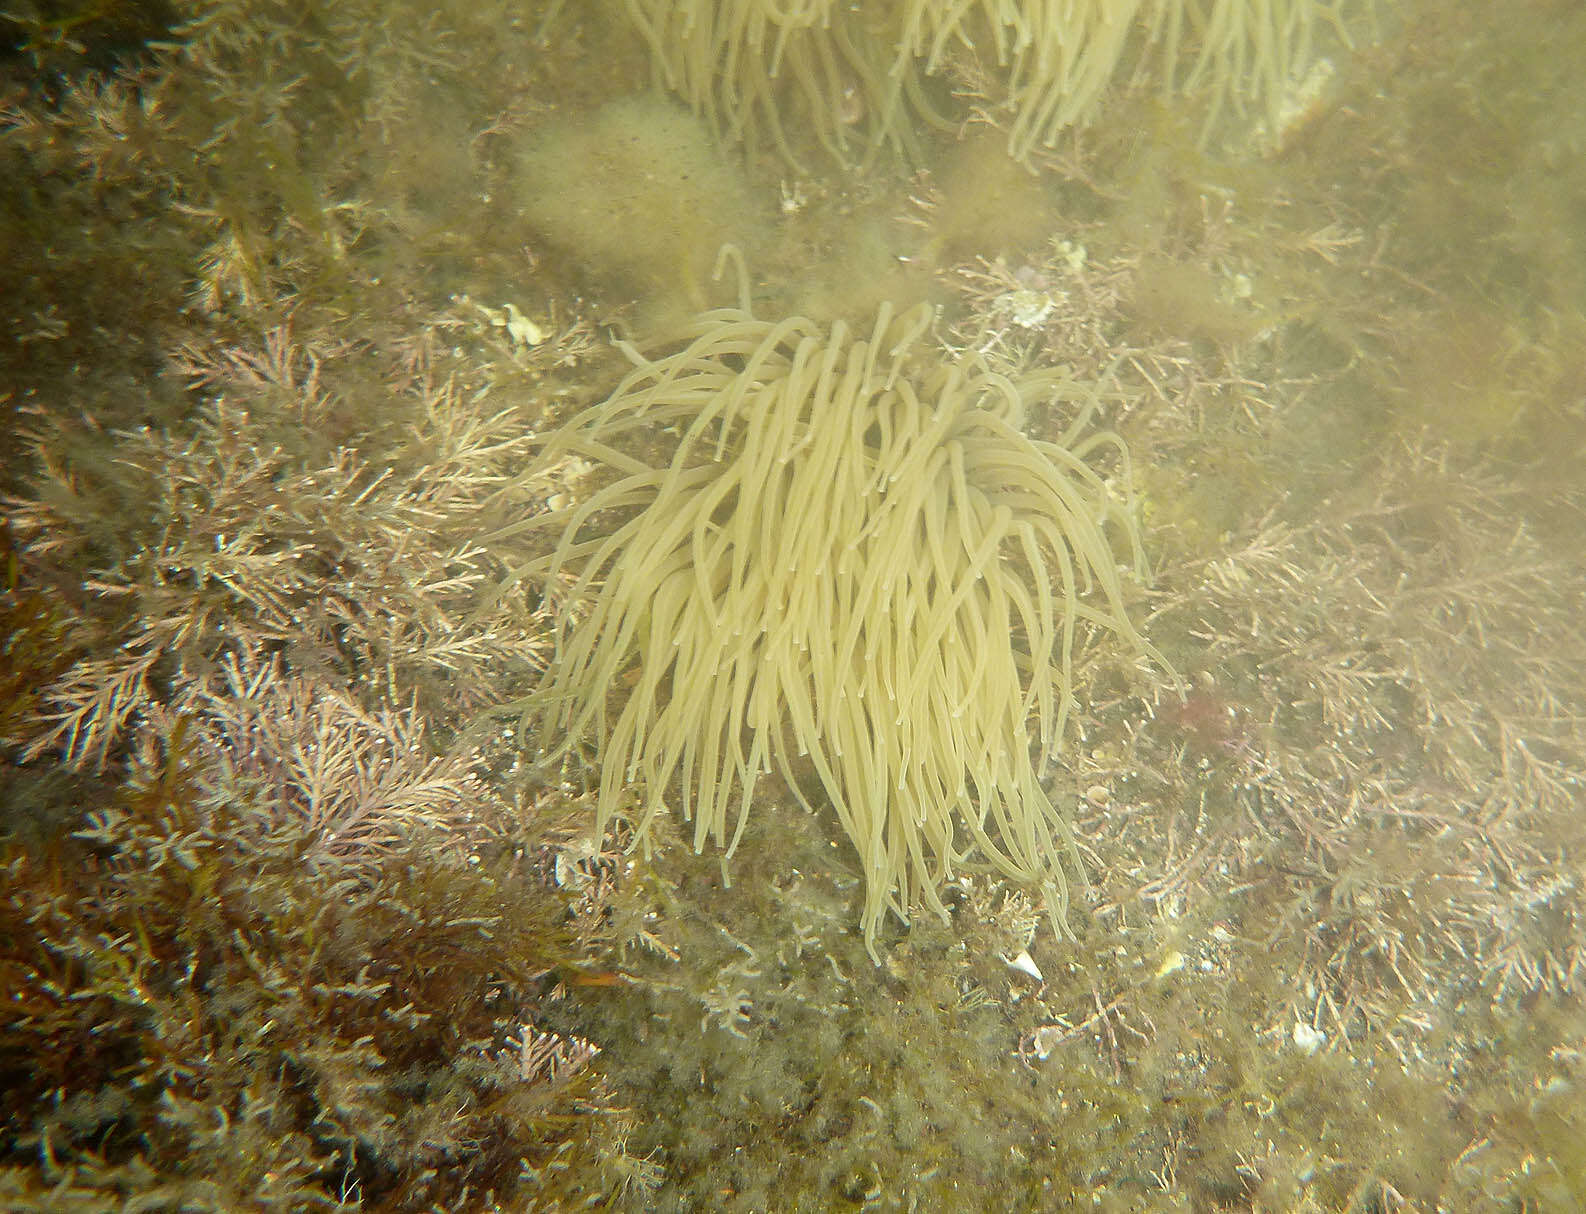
point(864, 77)
point(854, 568)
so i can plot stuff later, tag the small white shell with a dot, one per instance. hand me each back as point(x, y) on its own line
point(568, 875)
point(1025, 964)
point(1308, 1039)
point(520, 329)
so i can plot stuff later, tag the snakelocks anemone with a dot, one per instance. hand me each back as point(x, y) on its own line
point(858, 76)
point(854, 568)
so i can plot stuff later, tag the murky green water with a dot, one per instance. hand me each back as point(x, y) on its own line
point(297, 296)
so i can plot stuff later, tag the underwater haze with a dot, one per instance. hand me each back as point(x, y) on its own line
point(747, 606)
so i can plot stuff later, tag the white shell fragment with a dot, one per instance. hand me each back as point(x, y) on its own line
point(1025, 964)
point(1073, 254)
point(1027, 309)
point(520, 330)
point(1308, 1039)
point(568, 875)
